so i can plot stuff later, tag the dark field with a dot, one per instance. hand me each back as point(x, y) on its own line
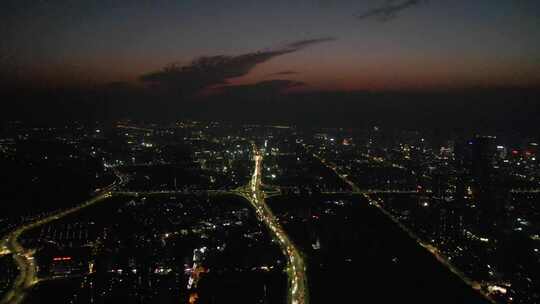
point(363, 255)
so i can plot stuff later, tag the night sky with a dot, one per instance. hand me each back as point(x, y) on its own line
point(418, 63)
point(374, 45)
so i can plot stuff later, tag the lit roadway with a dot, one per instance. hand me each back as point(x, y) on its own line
point(24, 257)
point(296, 270)
point(432, 249)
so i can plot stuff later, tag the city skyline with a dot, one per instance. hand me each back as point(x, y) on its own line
point(270, 152)
point(202, 212)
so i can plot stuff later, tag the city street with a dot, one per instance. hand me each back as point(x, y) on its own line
point(296, 269)
point(433, 250)
point(24, 258)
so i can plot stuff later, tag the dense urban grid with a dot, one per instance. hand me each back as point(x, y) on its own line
point(210, 212)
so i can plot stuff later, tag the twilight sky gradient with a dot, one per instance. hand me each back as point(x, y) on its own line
point(429, 44)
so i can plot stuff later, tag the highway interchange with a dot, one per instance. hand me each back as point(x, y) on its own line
point(24, 259)
point(296, 269)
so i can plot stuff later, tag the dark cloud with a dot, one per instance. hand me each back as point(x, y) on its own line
point(205, 72)
point(281, 73)
point(297, 45)
point(263, 87)
point(389, 10)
